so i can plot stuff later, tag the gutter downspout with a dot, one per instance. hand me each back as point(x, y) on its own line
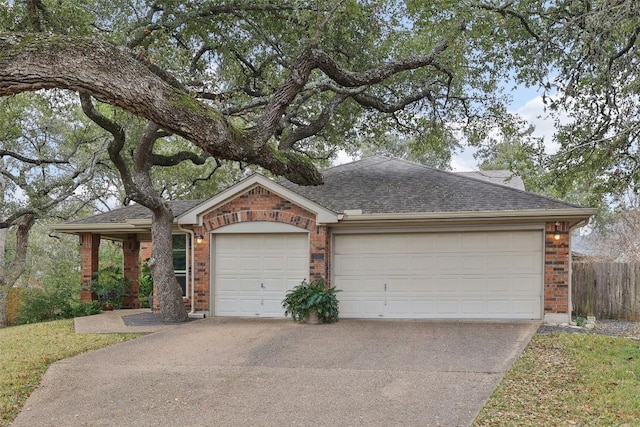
point(190, 277)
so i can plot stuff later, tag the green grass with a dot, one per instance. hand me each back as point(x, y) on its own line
point(27, 351)
point(569, 380)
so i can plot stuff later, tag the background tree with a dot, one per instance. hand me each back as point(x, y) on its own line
point(433, 149)
point(48, 164)
point(584, 56)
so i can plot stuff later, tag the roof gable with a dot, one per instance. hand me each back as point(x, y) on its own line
point(194, 215)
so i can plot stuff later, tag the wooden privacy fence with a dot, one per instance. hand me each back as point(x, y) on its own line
point(607, 290)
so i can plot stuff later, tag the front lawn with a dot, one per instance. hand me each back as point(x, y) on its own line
point(569, 380)
point(27, 351)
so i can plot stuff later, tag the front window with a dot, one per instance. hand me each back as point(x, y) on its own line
point(180, 260)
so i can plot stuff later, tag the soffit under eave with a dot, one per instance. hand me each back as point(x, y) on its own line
point(573, 216)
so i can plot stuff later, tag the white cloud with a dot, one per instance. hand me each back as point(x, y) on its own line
point(545, 127)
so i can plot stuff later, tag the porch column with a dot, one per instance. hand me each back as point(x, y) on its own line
point(131, 252)
point(89, 247)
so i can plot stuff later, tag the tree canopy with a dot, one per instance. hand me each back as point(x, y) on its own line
point(268, 83)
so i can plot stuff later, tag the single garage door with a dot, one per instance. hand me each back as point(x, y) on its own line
point(457, 275)
point(253, 272)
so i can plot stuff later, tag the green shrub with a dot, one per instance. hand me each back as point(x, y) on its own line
point(312, 296)
point(51, 301)
point(81, 309)
point(109, 285)
point(146, 284)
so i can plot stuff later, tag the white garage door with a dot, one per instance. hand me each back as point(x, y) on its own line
point(472, 275)
point(254, 271)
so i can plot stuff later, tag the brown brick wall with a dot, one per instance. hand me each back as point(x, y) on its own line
point(258, 204)
point(556, 269)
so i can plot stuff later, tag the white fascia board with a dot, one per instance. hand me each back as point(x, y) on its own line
point(534, 214)
point(90, 228)
point(194, 215)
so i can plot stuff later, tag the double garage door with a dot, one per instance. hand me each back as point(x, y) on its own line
point(457, 275)
point(453, 275)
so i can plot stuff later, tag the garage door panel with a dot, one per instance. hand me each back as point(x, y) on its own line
point(425, 244)
point(525, 306)
point(473, 285)
point(496, 262)
point(397, 263)
point(473, 307)
point(373, 264)
point(499, 307)
point(362, 286)
point(446, 284)
point(529, 262)
point(448, 242)
point(421, 263)
point(499, 285)
point(447, 307)
point(399, 285)
point(449, 263)
point(473, 242)
point(348, 265)
point(472, 262)
point(526, 241)
point(524, 284)
point(444, 275)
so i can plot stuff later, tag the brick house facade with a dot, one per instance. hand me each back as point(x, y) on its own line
point(330, 229)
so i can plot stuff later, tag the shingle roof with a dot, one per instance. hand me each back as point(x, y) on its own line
point(121, 215)
point(384, 185)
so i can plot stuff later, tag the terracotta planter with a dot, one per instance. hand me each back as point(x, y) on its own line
point(313, 318)
point(107, 307)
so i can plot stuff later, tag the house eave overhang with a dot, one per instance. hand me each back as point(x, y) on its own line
point(135, 226)
point(194, 215)
point(532, 215)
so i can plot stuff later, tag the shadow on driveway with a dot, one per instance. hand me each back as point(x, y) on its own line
point(256, 372)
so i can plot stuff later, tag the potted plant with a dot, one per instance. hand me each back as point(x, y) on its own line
point(109, 286)
point(312, 302)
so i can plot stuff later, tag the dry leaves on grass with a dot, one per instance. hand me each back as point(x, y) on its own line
point(566, 379)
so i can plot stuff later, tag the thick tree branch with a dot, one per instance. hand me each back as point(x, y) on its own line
point(315, 126)
point(177, 158)
point(112, 74)
point(347, 78)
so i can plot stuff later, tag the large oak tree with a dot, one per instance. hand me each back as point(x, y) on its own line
point(269, 83)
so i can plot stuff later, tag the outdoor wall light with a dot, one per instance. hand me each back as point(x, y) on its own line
point(556, 236)
point(199, 238)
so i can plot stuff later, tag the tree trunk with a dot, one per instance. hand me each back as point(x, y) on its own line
point(11, 272)
point(168, 289)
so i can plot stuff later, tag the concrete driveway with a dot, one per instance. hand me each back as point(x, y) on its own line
point(246, 372)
